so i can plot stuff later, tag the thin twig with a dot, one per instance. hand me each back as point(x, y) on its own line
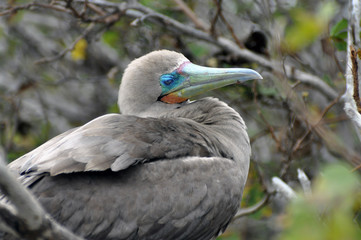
point(268, 125)
point(229, 26)
point(110, 17)
point(192, 16)
point(305, 182)
point(141, 19)
point(302, 112)
point(215, 19)
point(250, 210)
point(96, 9)
point(68, 49)
point(312, 126)
point(13, 10)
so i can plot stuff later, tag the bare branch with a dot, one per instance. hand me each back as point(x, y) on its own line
point(355, 76)
point(305, 182)
point(187, 11)
point(68, 49)
point(250, 210)
point(283, 188)
point(212, 29)
point(290, 71)
point(13, 10)
point(269, 126)
point(229, 26)
point(27, 218)
point(300, 140)
point(351, 96)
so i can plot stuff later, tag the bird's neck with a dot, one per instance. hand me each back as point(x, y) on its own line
point(210, 112)
point(219, 122)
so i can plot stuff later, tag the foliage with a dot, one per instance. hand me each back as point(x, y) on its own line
point(306, 26)
point(338, 34)
point(328, 212)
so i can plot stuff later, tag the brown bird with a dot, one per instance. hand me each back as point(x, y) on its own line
point(166, 168)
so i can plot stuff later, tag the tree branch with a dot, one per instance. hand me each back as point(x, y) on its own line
point(229, 26)
point(136, 10)
point(13, 10)
point(351, 96)
point(68, 49)
point(355, 77)
point(25, 217)
point(305, 182)
point(187, 11)
point(250, 210)
point(283, 188)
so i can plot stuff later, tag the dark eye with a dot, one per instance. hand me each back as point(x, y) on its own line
point(167, 79)
point(168, 82)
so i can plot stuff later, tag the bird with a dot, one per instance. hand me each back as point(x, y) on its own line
point(166, 167)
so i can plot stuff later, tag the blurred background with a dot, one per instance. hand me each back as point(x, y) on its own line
point(61, 63)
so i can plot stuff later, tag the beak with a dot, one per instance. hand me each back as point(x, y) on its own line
point(198, 79)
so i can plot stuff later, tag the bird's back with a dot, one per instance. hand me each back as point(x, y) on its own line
point(188, 198)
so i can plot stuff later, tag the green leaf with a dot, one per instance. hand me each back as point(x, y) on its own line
point(338, 28)
point(340, 45)
point(342, 35)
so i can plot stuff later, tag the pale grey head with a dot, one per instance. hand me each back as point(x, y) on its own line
point(161, 80)
point(140, 88)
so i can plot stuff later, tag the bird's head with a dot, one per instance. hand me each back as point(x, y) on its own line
point(164, 79)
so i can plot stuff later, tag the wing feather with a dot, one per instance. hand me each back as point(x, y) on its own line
point(113, 142)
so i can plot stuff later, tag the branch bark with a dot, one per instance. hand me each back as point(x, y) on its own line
point(250, 210)
point(351, 96)
point(25, 217)
point(187, 11)
point(305, 182)
point(283, 188)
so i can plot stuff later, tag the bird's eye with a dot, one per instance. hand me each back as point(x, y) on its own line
point(167, 79)
point(168, 82)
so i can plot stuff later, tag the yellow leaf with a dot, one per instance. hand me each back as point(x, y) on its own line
point(79, 51)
